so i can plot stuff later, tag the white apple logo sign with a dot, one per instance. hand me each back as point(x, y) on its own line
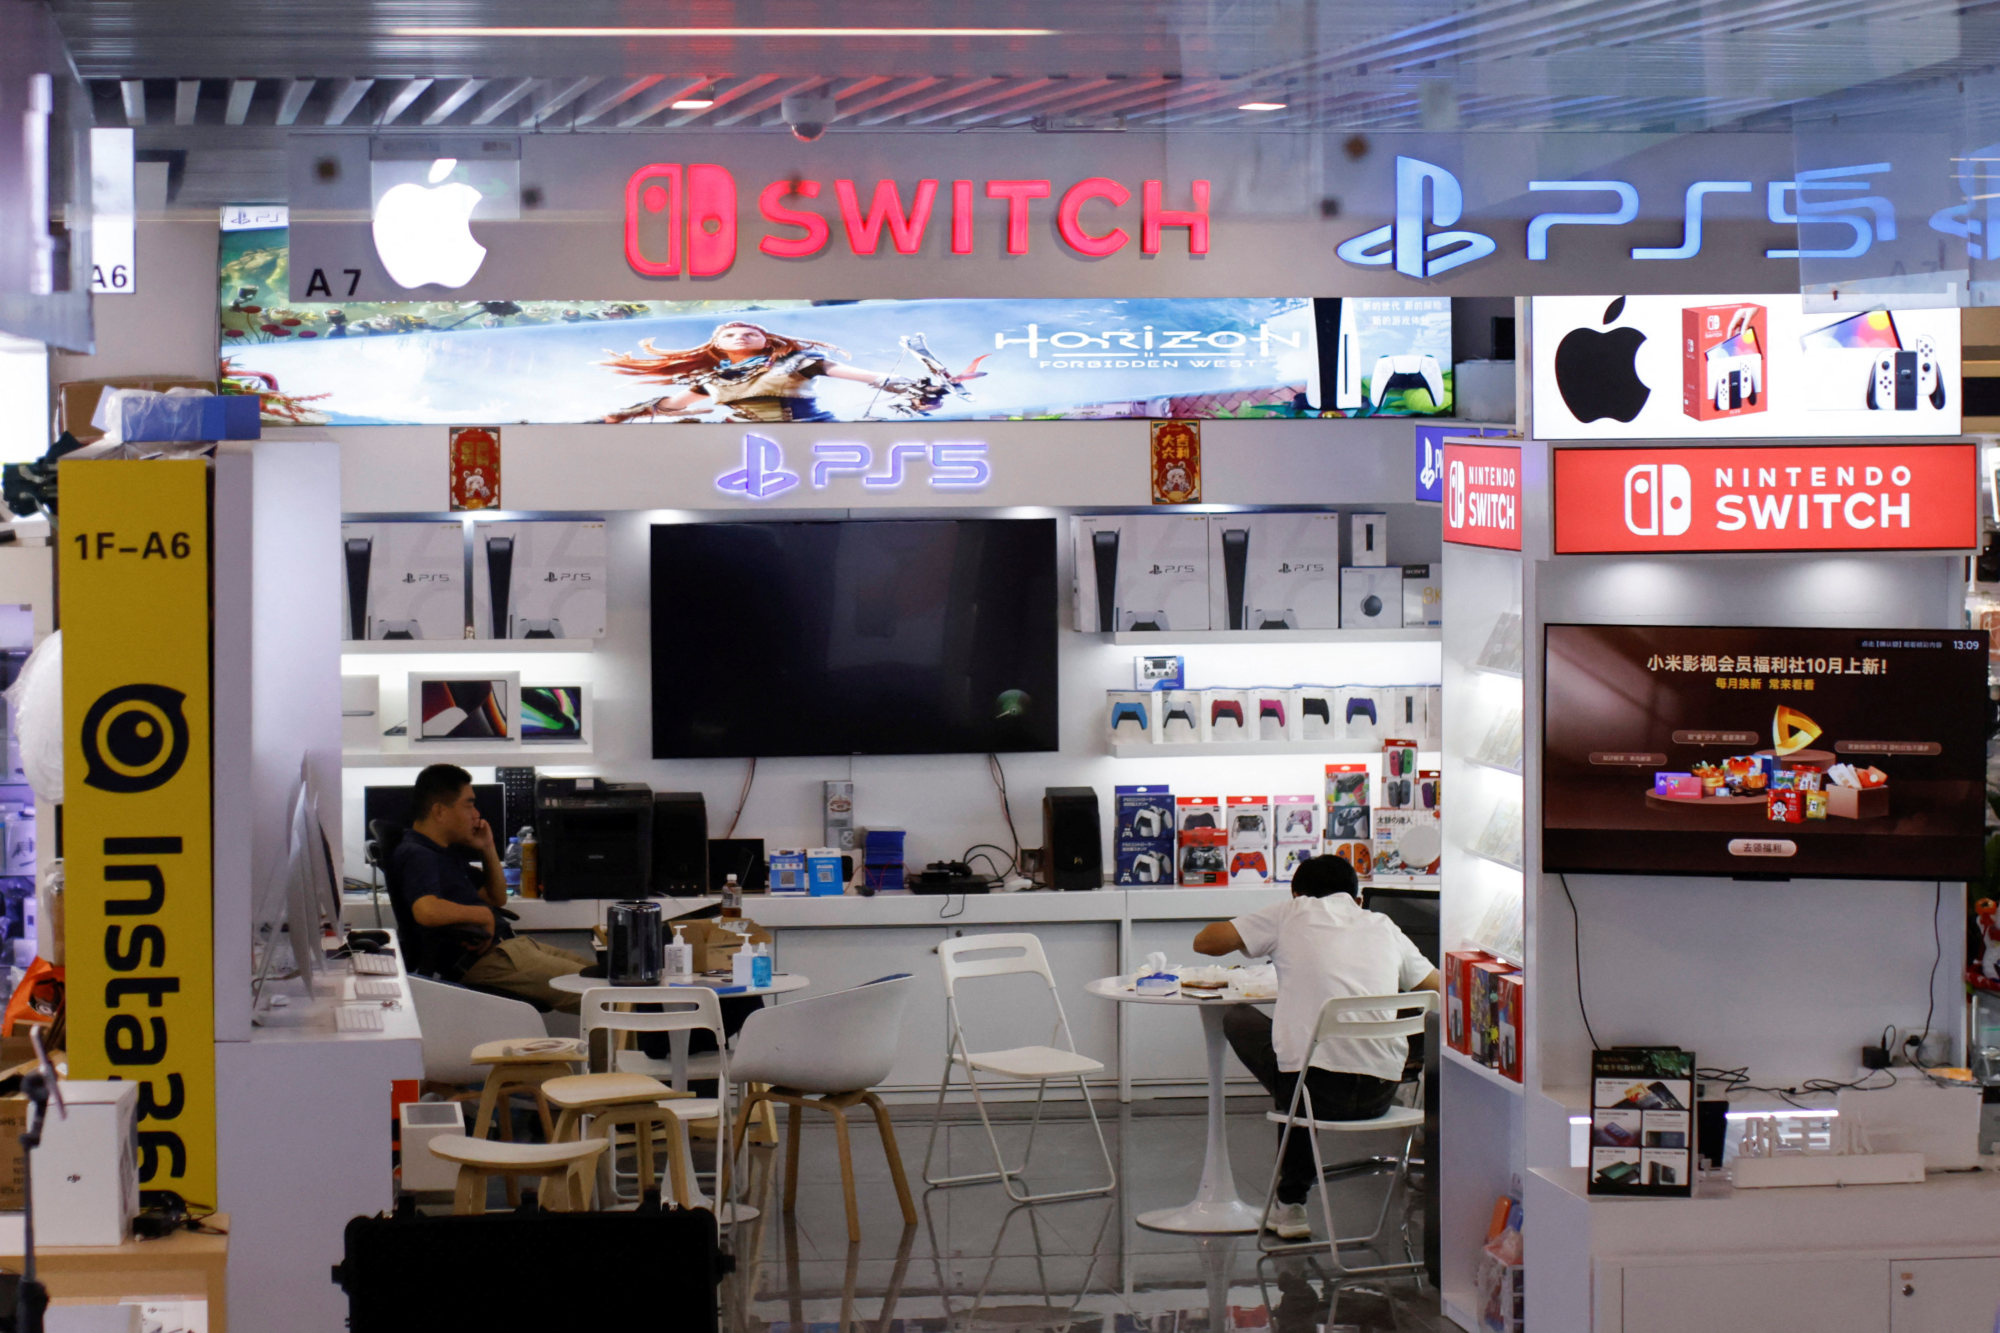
point(423, 233)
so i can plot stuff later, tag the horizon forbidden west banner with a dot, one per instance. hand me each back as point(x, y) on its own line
point(449, 362)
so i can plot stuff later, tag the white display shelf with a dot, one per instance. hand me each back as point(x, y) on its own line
point(1497, 768)
point(418, 647)
point(1511, 673)
point(1457, 1057)
point(397, 752)
point(1218, 749)
point(1140, 638)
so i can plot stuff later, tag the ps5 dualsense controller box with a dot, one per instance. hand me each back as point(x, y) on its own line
point(1145, 835)
point(1142, 572)
point(1274, 571)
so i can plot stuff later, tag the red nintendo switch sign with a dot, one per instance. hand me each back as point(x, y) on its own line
point(1899, 497)
point(1482, 495)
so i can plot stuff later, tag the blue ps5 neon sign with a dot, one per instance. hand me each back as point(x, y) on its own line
point(947, 465)
point(1425, 240)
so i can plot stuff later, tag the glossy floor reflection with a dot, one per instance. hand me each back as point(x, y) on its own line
point(975, 1260)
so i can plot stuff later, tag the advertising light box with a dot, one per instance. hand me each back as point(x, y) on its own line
point(1841, 497)
point(1764, 751)
point(1723, 367)
point(1482, 495)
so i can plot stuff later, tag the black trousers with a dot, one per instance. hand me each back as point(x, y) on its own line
point(1334, 1096)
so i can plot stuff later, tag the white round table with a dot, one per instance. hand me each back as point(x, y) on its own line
point(782, 983)
point(1216, 1208)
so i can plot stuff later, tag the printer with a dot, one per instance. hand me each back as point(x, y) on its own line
point(595, 838)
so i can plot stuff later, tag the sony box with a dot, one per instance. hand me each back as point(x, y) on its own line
point(1275, 714)
point(403, 580)
point(1231, 715)
point(1133, 714)
point(1368, 539)
point(1142, 572)
point(1423, 596)
point(1182, 717)
point(543, 580)
point(1274, 571)
point(1316, 713)
point(1371, 597)
point(1723, 362)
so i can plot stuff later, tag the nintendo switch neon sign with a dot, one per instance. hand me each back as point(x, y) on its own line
point(684, 216)
point(947, 465)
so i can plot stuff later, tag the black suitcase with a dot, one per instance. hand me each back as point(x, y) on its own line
point(651, 1269)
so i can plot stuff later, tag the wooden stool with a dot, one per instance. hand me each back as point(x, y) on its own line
point(521, 1066)
point(568, 1170)
point(837, 1105)
point(611, 1102)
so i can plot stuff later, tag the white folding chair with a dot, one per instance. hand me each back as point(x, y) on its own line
point(1021, 955)
point(682, 1009)
point(1335, 1022)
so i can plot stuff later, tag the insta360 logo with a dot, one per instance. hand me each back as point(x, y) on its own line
point(134, 738)
point(1659, 500)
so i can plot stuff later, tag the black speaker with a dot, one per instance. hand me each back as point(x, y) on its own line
point(1072, 843)
point(680, 844)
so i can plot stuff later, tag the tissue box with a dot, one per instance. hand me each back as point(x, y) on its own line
point(195, 418)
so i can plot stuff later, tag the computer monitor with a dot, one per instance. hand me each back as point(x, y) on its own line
point(392, 805)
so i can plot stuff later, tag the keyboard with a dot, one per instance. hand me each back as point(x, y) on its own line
point(377, 988)
point(373, 964)
point(358, 1018)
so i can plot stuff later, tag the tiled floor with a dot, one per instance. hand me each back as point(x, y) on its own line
point(972, 1260)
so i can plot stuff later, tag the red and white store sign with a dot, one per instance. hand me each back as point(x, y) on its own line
point(1482, 495)
point(1876, 497)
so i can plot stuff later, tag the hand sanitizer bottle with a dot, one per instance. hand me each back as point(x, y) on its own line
point(760, 964)
point(741, 966)
point(679, 958)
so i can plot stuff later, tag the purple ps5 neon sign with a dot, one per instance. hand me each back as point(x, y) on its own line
point(947, 465)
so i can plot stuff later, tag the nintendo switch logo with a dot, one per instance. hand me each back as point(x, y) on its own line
point(1454, 486)
point(1659, 500)
point(1417, 251)
point(679, 216)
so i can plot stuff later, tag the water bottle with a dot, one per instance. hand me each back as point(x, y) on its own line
point(510, 865)
point(732, 898)
point(760, 964)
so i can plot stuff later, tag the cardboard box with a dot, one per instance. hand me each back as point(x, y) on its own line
point(1274, 571)
point(1458, 965)
point(1513, 1023)
point(714, 947)
point(409, 579)
point(1371, 598)
point(1423, 596)
point(546, 580)
point(1155, 567)
point(1724, 366)
point(1485, 1004)
point(77, 399)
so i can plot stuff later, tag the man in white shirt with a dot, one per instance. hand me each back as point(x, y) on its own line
point(1324, 944)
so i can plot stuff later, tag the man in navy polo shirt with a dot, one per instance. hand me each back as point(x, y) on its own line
point(461, 934)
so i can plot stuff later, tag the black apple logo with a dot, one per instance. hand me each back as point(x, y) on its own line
point(1598, 372)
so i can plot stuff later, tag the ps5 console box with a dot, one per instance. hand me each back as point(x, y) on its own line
point(1724, 368)
point(403, 580)
point(1274, 571)
point(1139, 572)
point(543, 580)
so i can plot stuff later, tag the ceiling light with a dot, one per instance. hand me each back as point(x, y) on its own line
point(1262, 106)
point(724, 32)
point(693, 104)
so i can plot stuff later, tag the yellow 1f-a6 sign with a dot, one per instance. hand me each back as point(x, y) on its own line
point(136, 803)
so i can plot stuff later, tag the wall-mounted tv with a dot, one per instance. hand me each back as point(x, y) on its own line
point(1850, 753)
point(864, 636)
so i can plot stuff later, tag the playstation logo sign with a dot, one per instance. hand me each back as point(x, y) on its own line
point(1409, 242)
point(763, 473)
point(947, 465)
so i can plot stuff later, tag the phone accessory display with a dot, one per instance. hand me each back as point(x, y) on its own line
point(1642, 1122)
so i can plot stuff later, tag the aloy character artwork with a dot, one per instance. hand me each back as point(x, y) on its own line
point(756, 375)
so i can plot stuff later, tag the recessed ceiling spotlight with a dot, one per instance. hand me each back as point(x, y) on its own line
point(1262, 106)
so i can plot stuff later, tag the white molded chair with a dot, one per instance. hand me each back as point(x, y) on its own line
point(1023, 956)
point(1335, 1023)
point(826, 1052)
point(609, 1009)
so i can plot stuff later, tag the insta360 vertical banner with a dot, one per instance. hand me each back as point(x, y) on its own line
point(136, 788)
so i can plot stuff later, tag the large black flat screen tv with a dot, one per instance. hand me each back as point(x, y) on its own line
point(1708, 751)
point(917, 636)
